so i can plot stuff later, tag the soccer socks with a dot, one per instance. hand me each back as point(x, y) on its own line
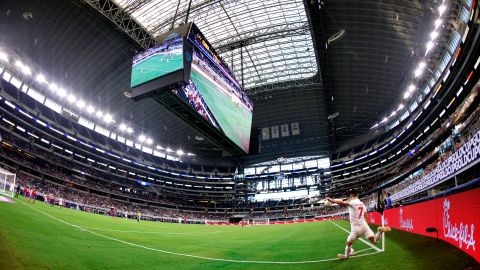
point(348, 249)
point(377, 236)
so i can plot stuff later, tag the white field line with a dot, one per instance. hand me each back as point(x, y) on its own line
point(361, 239)
point(189, 255)
point(147, 232)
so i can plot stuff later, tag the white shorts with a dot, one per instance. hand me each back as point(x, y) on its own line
point(358, 231)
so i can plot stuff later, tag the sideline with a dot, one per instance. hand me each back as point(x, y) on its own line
point(190, 255)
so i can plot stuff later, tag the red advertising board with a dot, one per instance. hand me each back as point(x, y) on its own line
point(455, 217)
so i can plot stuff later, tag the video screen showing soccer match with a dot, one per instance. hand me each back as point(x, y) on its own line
point(157, 61)
point(220, 102)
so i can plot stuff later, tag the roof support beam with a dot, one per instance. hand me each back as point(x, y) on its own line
point(123, 20)
point(261, 35)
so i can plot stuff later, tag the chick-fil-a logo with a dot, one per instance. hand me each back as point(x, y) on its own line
point(461, 234)
point(406, 224)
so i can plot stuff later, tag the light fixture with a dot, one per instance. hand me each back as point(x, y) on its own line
point(180, 152)
point(41, 78)
point(3, 56)
point(141, 138)
point(108, 118)
point(53, 87)
point(149, 141)
point(401, 106)
point(433, 35)
point(81, 104)
point(90, 109)
point(411, 88)
point(406, 95)
point(438, 22)
point(441, 9)
point(99, 114)
point(23, 68)
point(61, 92)
point(384, 119)
point(123, 127)
point(159, 147)
point(429, 46)
point(71, 98)
point(169, 150)
point(129, 130)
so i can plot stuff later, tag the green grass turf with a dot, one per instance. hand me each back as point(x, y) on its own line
point(30, 239)
point(235, 121)
point(155, 67)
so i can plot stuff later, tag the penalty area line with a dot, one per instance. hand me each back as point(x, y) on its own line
point(190, 255)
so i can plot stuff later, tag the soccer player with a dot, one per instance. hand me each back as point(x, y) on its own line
point(359, 226)
point(139, 216)
point(17, 191)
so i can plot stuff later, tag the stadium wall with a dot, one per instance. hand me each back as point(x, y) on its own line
point(455, 217)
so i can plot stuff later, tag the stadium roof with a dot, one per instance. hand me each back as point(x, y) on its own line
point(86, 47)
point(273, 37)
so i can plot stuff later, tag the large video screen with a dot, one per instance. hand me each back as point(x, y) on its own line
point(157, 61)
point(216, 95)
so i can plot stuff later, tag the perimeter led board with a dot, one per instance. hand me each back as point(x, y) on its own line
point(210, 89)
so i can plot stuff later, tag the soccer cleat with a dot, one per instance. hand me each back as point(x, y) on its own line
point(342, 257)
point(384, 229)
point(352, 251)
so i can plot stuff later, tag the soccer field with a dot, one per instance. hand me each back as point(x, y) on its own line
point(156, 66)
point(46, 237)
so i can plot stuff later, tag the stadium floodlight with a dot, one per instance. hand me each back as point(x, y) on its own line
point(3, 57)
point(23, 68)
point(71, 98)
point(374, 126)
point(411, 88)
point(41, 78)
point(169, 150)
point(108, 118)
point(149, 141)
point(429, 46)
point(384, 120)
point(61, 92)
point(81, 104)
point(420, 68)
point(392, 114)
point(53, 87)
point(122, 127)
point(406, 95)
point(159, 147)
point(433, 35)
point(99, 114)
point(180, 152)
point(441, 9)
point(129, 130)
point(438, 22)
point(90, 109)
point(400, 107)
point(142, 138)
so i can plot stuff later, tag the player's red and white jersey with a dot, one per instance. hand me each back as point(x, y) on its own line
point(357, 211)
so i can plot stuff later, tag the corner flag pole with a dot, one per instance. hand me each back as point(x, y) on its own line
point(383, 234)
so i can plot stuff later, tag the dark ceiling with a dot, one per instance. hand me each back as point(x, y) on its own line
point(370, 65)
point(88, 54)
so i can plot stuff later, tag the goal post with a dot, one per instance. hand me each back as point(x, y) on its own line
point(7, 182)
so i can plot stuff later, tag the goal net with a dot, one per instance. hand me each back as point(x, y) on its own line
point(7, 182)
